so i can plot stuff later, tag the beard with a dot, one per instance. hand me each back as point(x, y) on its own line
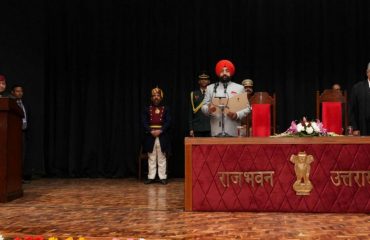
point(225, 79)
point(156, 101)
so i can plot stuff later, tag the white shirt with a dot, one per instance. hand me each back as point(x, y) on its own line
point(24, 119)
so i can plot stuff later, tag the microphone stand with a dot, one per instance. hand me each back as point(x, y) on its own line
point(222, 108)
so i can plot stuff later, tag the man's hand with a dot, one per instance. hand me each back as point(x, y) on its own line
point(211, 108)
point(356, 133)
point(191, 133)
point(232, 115)
point(156, 133)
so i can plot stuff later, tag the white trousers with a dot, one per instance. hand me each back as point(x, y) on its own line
point(157, 156)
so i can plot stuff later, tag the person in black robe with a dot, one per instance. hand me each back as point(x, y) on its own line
point(359, 107)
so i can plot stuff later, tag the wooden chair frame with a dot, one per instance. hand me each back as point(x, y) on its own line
point(331, 95)
point(265, 98)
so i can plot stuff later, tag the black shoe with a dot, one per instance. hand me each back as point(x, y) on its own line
point(164, 181)
point(149, 181)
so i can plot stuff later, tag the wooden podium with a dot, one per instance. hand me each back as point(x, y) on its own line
point(10, 150)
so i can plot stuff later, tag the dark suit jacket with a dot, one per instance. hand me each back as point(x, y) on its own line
point(358, 108)
point(164, 138)
point(198, 122)
point(27, 110)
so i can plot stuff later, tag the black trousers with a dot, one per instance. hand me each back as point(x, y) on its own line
point(367, 128)
point(26, 165)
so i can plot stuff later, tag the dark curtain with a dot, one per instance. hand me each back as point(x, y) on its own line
point(22, 56)
point(102, 57)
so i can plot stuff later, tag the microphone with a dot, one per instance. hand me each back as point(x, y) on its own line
point(215, 88)
point(225, 87)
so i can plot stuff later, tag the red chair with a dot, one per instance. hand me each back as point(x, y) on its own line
point(330, 106)
point(263, 114)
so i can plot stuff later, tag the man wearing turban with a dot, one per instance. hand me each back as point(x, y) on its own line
point(3, 92)
point(223, 88)
point(156, 122)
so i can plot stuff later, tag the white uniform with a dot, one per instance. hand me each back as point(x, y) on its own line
point(215, 118)
point(157, 154)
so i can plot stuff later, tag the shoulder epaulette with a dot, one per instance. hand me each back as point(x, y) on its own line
point(195, 109)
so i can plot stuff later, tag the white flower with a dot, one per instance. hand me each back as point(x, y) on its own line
point(1, 237)
point(315, 127)
point(309, 130)
point(300, 128)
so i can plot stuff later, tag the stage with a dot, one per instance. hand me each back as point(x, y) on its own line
point(126, 208)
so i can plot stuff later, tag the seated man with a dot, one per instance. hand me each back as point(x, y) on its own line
point(156, 123)
point(224, 88)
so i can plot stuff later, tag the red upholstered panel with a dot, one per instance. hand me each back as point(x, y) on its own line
point(210, 195)
point(261, 120)
point(332, 116)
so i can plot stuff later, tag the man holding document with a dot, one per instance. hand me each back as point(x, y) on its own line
point(228, 95)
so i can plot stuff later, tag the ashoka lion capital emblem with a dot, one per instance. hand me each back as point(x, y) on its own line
point(302, 161)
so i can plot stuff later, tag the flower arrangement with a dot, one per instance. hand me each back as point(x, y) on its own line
point(305, 128)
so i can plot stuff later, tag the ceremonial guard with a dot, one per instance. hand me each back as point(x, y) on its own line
point(248, 87)
point(199, 125)
point(156, 122)
point(247, 122)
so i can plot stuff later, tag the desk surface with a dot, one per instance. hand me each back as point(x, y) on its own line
point(280, 140)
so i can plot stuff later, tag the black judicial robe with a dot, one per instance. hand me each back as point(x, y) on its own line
point(359, 108)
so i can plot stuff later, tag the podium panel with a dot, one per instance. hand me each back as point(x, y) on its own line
point(10, 150)
point(312, 174)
